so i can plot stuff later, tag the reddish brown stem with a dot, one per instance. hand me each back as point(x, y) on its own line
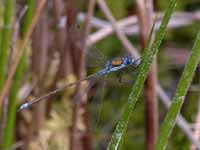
point(145, 17)
point(80, 137)
point(39, 64)
point(20, 51)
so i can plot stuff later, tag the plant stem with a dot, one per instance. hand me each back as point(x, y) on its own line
point(179, 97)
point(12, 105)
point(5, 38)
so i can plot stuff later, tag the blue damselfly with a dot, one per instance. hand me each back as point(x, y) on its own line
point(110, 66)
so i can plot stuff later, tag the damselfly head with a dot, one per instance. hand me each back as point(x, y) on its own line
point(128, 60)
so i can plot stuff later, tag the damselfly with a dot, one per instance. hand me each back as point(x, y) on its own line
point(110, 66)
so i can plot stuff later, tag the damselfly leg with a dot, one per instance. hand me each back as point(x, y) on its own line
point(121, 79)
point(126, 75)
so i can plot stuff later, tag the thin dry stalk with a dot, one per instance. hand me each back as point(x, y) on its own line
point(59, 44)
point(20, 51)
point(39, 64)
point(79, 134)
point(87, 140)
point(197, 121)
point(88, 20)
point(196, 128)
point(130, 27)
point(60, 38)
point(145, 17)
point(129, 47)
point(80, 110)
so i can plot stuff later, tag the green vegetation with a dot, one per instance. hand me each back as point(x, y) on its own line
point(8, 135)
point(6, 38)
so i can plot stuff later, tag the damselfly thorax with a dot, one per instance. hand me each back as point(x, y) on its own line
point(119, 63)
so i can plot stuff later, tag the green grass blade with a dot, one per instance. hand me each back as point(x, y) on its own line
point(28, 16)
point(12, 107)
point(138, 86)
point(180, 94)
point(5, 38)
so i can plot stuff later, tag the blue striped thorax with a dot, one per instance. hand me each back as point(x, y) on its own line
point(118, 63)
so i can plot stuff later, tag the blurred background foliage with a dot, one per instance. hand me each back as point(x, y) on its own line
point(105, 110)
point(182, 39)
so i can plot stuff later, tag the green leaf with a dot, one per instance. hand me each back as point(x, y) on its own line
point(179, 97)
point(12, 106)
point(5, 38)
